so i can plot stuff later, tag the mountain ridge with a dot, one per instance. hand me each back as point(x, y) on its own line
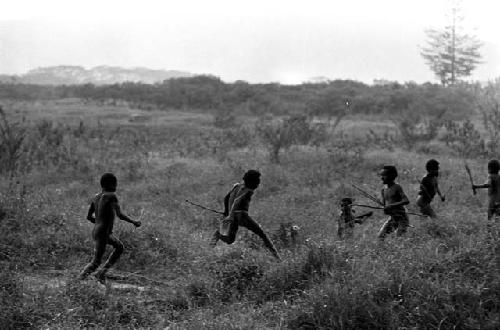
point(98, 75)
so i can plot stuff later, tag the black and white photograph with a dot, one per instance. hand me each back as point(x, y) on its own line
point(319, 164)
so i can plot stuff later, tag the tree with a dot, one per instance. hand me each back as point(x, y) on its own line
point(451, 53)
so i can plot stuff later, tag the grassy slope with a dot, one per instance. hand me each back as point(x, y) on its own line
point(442, 274)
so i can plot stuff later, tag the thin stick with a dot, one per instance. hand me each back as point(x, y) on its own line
point(467, 169)
point(204, 207)
point(369, 206)
point(381, 208)
point(366, 194)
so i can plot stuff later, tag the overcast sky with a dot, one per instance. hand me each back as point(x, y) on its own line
point(254, 40)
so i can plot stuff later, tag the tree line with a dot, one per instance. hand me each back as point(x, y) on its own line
point(208, 92)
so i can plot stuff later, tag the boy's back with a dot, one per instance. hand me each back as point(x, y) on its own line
point(494, 189)
point(104, 212)
point(242, 195)
point(428, 188)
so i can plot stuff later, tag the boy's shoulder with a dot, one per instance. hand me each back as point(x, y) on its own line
point(107, 196)
point(427, 177)
point(394, 187)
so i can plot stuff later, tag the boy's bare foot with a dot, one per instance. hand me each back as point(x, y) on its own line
point(101, 277)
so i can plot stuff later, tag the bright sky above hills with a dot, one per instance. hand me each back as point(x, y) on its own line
point(258, 41)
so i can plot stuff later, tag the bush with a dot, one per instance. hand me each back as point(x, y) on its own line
point(281, 134)
point(235, 274)
point(464, 139)
point(12, 136)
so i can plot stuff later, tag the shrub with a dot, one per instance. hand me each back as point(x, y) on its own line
point(281, 134)
point(12, 137)
point(235, 274)
point(464, 139)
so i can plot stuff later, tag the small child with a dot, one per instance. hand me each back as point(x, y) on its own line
point(428, 189)
point(236, 205)
point(394, 201)
point(493, 185)
point(347, 219)
point(105, 206)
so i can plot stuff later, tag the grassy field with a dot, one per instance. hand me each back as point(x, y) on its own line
point(443, 274)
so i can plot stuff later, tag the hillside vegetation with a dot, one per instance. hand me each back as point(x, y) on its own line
point(443, 274)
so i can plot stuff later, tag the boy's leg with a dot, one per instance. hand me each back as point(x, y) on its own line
point(340, 232)
point(231, 233)
point(387, 228)
point(252, 225)
point(426, 208)
point(100, 248)
point(403, 222)
point(113, 258)
point(428, 211)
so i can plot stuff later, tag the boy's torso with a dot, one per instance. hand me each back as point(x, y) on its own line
point(239, 190)
point(104, 210)
point(429, 184)
point(494, 189)
point(393, 194)
point(346, 216)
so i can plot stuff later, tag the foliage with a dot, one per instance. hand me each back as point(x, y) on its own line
point(281, 134)
point(439, 275)
point(452, 54)
point(464, 139)
point(12, 136)
point(226, 100)
point(489, 106)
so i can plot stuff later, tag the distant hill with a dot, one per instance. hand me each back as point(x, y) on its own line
point(99, 75)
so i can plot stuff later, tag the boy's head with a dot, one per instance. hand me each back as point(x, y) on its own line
point(109, 182)
point(493, 166)
point(432, 167)
point(346, 201)
point(252, 179)
point(388, 174)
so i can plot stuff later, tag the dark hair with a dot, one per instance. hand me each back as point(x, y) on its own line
point(251, 176)
point(432, 165)
point(392, 172)
point(108, 181)
point(347, 200)
point(493, 166)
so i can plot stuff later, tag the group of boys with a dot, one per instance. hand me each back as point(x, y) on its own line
point(105, 206)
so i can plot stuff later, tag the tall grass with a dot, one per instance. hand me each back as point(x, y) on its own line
point(442, 274)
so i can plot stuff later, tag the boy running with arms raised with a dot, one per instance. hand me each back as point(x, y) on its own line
point(236, 205)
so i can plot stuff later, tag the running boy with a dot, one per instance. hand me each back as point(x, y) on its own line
point(394, 201)
point(428, 189)
point(236, 204)
point(493, 185)
point(105, 206)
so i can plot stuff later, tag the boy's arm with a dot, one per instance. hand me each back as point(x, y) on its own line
point(485, 185)
point(91, 211)
point(124, 217)
point(439, 192)
point(481, 186)
point(226, 206)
